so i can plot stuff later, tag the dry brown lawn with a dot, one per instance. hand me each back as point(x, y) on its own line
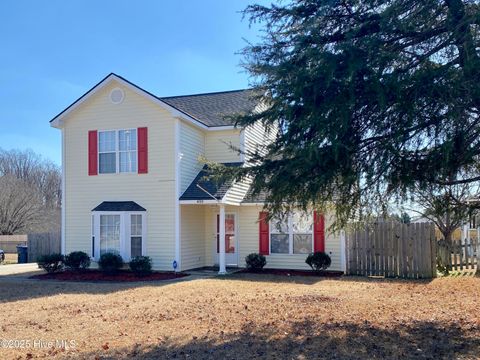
point(247, 316)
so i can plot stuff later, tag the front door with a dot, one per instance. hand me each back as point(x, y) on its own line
point(231, 251)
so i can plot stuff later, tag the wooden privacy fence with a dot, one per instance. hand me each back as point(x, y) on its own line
point(461, 254)
point(8, 243)
point(392, 249)
point(43, 244)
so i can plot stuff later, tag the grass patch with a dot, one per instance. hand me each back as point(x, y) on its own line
point(247, 316)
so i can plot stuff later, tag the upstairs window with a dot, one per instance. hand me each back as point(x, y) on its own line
point(107, 155)
point(127, 145)
point(117, 151)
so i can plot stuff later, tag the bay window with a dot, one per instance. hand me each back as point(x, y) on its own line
point(120, 232)
point(292, 234)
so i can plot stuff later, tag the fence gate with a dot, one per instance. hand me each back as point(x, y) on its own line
point(392, 249)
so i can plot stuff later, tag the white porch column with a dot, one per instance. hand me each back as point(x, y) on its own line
point(221, 256)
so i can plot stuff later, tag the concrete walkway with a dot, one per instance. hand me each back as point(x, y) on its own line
point(18, 269)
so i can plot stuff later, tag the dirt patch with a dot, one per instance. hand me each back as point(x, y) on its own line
point(96, 275)
point(246, 316)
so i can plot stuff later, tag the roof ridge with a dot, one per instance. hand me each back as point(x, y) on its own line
point(202, 94)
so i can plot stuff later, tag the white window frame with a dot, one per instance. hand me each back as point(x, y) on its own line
point(117, 151)
point(290, 236)
point(125, 232)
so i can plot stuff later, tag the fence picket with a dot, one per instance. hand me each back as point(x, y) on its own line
point(392, 249)
point(42, 244)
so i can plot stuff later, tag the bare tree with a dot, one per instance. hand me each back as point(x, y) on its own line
point(20, 205)
point(446, 206)
point(30, 193)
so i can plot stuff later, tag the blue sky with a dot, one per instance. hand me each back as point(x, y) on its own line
point(54, 51)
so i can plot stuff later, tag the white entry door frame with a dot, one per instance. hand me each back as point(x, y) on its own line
point(231, 238)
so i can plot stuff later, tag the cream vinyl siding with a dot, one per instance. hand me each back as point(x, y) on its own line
point(192, 236)
point(217, 145)
point(237, 192)
point(192, 146)
point(255, 139)
point(154, 191)
point(248, 217)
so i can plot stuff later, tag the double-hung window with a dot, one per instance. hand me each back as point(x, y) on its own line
point(127, 147)
point(117, 151)
point(109, 234)
point(136, 235)
point(107, 152)
point(292, 234)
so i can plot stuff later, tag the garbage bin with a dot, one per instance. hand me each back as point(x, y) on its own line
point(22, 251)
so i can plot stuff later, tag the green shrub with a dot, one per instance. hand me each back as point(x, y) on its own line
point(77, 260)
point(51, 263)
point(319, 261)
point(110, 263)
point(141, 265)
point(255, 262)
point(442, 268)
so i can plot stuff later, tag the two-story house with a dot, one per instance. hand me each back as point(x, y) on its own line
point(133, 183)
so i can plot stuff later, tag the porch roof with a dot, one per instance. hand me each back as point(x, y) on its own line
point(218, 190)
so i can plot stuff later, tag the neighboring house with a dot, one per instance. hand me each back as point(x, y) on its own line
point(133, 182)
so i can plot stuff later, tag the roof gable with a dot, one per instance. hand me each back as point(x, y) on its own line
point(57, 121)
point(207, 111)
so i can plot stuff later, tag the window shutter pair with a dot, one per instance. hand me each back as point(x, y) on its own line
point(264, 233)
point(142, 151)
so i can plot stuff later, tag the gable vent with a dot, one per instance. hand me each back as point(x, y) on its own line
point(117, 95)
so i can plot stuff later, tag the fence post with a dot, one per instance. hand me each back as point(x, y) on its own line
point(343, 251)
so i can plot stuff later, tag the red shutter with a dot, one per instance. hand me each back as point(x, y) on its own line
point(142, 135)
point(318, 232)
point(263, 234)
point(92, 152)
point(218, 234)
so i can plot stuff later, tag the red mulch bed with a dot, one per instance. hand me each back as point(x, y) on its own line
point(97, 275)
point(287, 272)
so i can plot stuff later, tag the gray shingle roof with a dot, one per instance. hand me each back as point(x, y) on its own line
point(218, 190)
point(119, 206)
point(213, 109)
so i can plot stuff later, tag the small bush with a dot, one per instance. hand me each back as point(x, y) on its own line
point(141, 265)
point(77, 260)
point(319, 261)
point(442, 268)
point(110, 263)
point(255, 262)
point(51, 263)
